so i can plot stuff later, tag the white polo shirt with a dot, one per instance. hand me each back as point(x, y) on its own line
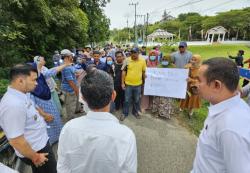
point(6, 169)
point(224, 143)
point(96, 143)
point(18, 116)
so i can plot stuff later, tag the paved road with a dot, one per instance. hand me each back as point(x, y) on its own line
point(163, 145)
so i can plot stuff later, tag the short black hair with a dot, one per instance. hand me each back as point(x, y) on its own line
point(224, 70)
point(97, 87)
point(118, 52)
point(21, 70)
point(96, 52)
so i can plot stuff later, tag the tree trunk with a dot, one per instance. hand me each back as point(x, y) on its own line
point(237, 33)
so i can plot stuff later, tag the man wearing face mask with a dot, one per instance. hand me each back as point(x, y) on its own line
point(182, 57)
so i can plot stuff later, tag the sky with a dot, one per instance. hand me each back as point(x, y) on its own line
point(119, 11)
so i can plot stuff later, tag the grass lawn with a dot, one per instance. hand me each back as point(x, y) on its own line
point(195, 124)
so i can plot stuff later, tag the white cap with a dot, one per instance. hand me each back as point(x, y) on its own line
point(37, 59)
point(66, 52)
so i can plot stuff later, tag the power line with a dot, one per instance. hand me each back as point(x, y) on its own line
point(186, 4)
point(224, 3)
point(161, 8)
point(178, 6)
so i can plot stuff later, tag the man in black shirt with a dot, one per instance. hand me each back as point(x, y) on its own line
point(239, 58)
point(117, 80)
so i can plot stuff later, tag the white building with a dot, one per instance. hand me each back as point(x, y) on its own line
point(218, 30)
point(161, 34)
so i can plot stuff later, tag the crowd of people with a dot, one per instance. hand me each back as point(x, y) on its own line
point(98, 82)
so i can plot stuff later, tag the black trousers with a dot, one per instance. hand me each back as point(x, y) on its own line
point(245, 82)
point(119, 97)
point(49, 166)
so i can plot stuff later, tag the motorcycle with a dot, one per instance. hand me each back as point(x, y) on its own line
point(7, 153)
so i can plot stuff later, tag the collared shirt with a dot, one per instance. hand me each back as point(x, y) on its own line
point(6, 169)
point(18, 116)
point(68, 74)
point(181, 59)
point(134, 69)
point(103, 59)
point(224, 142)
point(96, 143)
point(101, 66)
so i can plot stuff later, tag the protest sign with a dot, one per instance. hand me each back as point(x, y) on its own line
point(166, 82)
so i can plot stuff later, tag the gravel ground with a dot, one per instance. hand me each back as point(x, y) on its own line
point(163, 146)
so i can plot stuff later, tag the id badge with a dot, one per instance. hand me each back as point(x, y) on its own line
point(35, 117)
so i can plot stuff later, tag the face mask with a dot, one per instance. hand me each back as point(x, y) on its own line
point(165, 63)
point(79, 61)
point(152, 58)
point(109, 62)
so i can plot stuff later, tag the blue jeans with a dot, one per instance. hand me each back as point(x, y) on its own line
point(132, 93)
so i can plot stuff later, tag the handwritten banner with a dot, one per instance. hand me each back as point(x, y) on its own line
point(166, 82)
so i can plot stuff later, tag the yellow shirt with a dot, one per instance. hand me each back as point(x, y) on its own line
point(134, 69)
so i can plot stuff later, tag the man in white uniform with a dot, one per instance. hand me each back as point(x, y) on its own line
point(224, 142)
point(97, 142)
point(22, 124)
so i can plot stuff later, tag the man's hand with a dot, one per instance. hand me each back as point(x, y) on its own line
point(48, 118)
point(39, 159)
point(123, 86)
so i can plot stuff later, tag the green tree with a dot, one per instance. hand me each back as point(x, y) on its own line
point(98, 23)
point(28, 28)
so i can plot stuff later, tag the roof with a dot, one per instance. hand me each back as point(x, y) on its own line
point(217, 30)
point(160, 33)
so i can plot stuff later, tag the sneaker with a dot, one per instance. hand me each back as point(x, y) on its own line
point(122, 117)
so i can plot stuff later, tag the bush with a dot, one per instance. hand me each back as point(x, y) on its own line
point(3, 86)
point(4, 73)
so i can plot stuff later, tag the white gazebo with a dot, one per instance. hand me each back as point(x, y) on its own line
point(162, 34)
point(218, 30)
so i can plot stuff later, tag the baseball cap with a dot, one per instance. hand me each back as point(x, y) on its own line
point(135, 50)
point(66, 52)
point(183, 44)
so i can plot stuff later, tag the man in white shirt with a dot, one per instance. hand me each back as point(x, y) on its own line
point(6, 169)
point(22, 124)
point(224, 142)
point(97, 142)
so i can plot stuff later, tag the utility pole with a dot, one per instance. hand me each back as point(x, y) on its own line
point(135, 4)
point(128, 32)
point(146, 29)
point(143, 31)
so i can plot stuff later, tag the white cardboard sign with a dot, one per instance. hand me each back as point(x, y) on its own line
point(166, 82)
